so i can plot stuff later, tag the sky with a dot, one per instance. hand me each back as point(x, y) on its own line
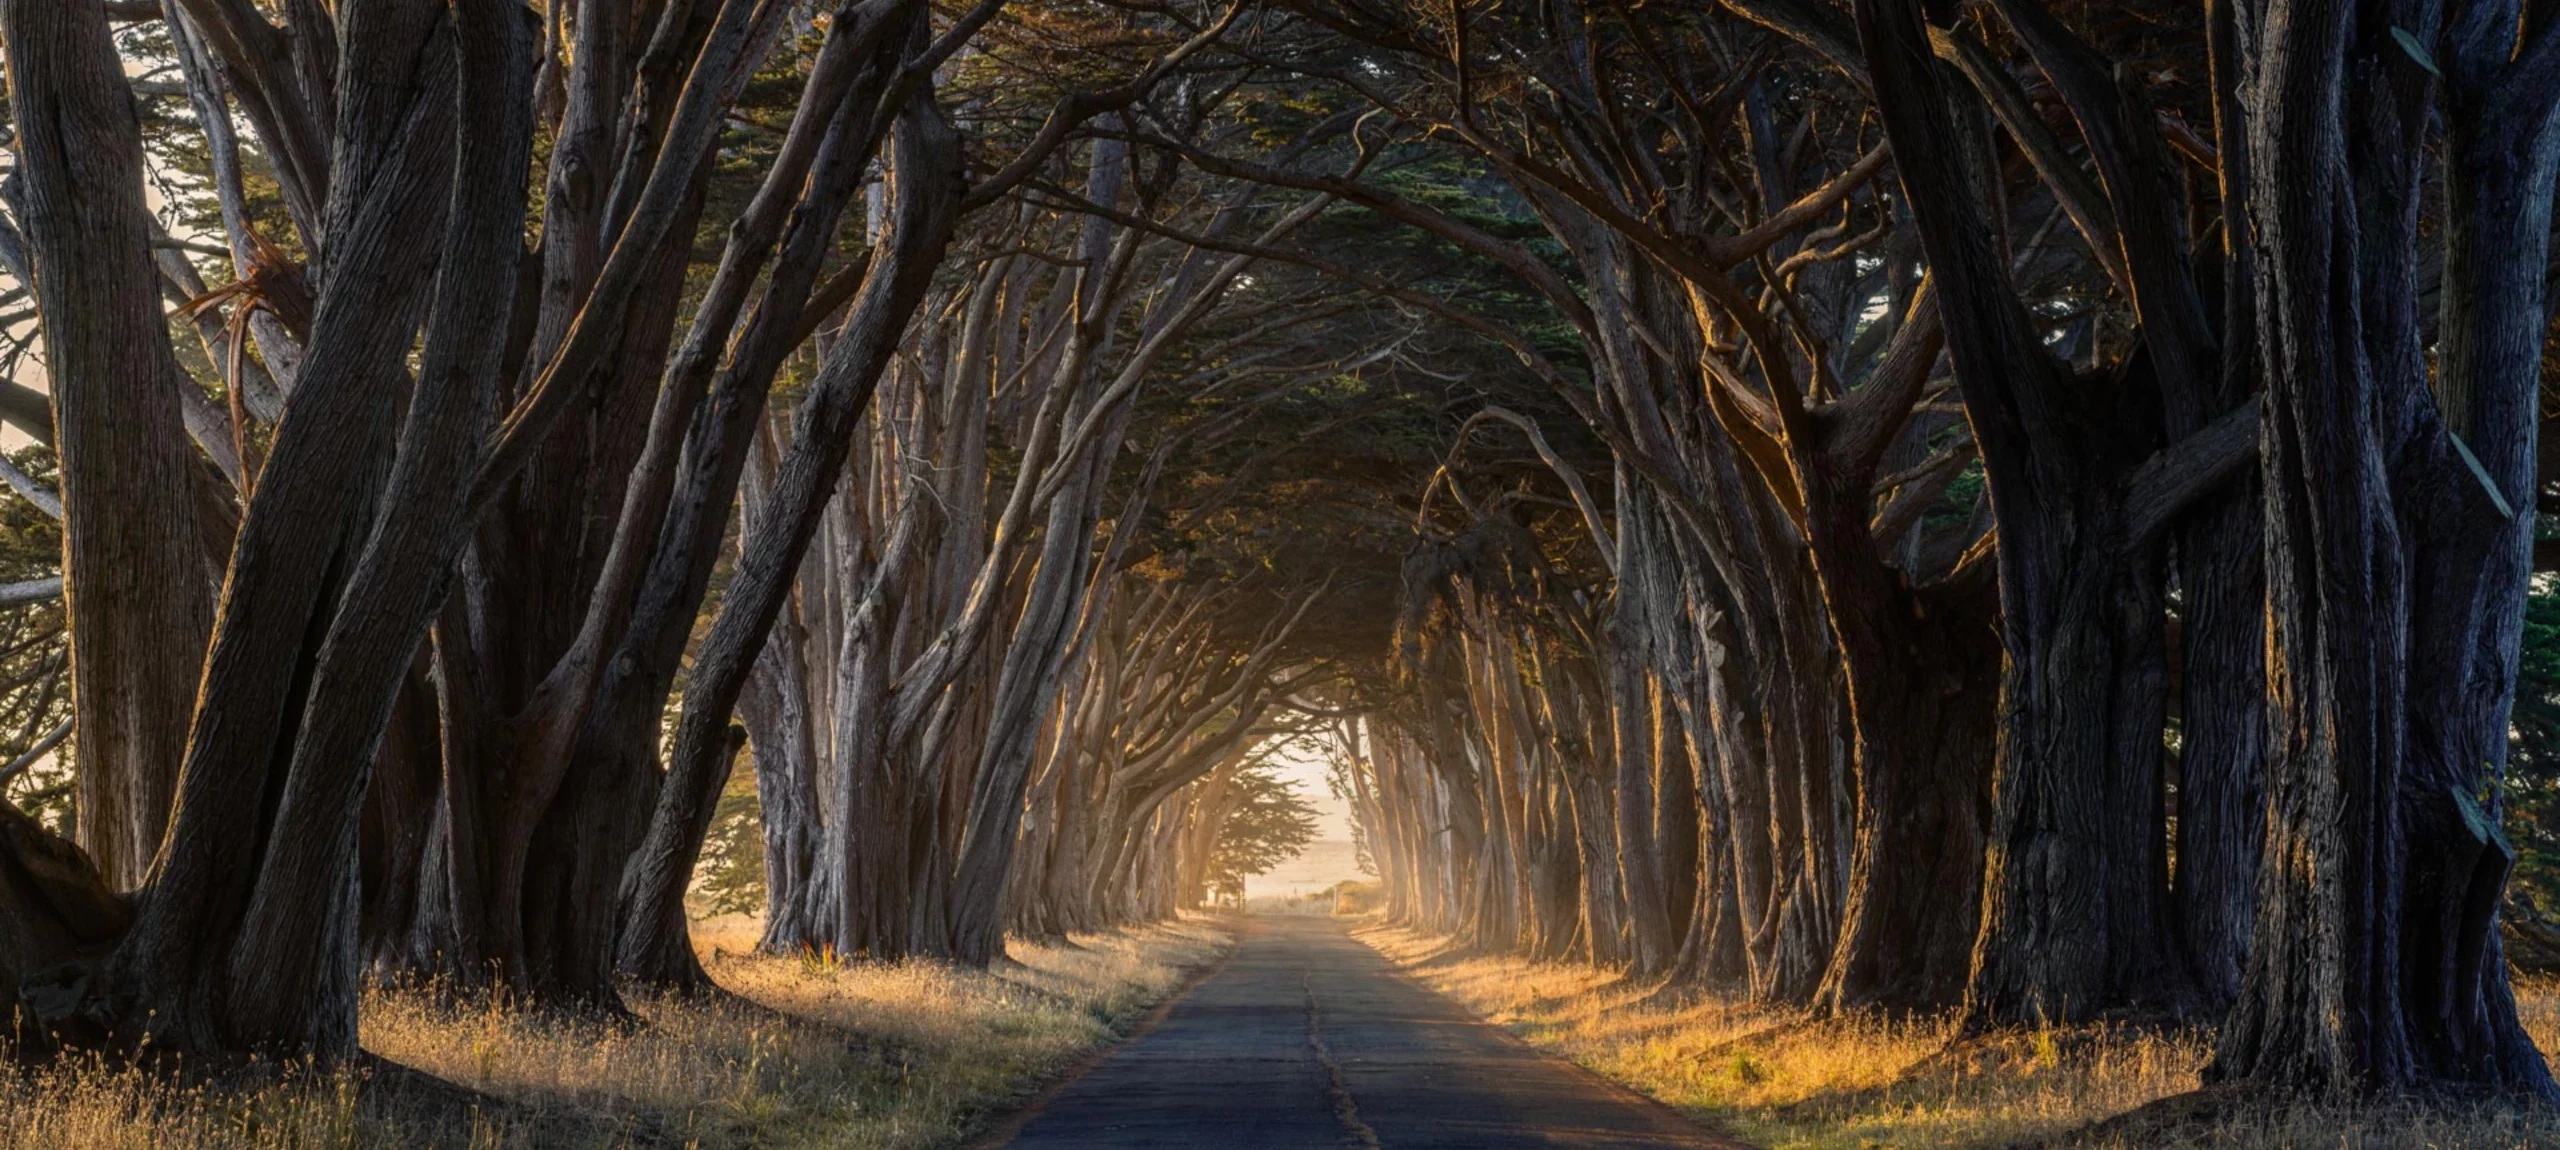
point(1300, 766)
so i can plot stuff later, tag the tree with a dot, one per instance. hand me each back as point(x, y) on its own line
point(116, 428)
point(341, 562)
point(2103, 360)
point(236, 941)
point(2396, 561)
point(1253, 820)
point(2077, 906)
point(1864, 506)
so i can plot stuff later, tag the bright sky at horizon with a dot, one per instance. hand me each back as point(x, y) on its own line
point(1329, 859)
point(1301, 765)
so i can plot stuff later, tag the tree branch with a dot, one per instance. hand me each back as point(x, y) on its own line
point(2175, 475)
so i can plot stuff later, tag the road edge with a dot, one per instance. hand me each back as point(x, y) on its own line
point(1011, 1124)
point(1716, 1137)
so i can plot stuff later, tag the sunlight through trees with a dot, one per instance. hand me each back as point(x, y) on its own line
point(2022, 512)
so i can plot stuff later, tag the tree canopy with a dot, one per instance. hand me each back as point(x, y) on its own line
point(2024, 508)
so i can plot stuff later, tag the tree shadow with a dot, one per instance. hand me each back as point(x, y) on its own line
point(738, 1005)
point(1997, 1075)
point(2173, 1120)
point(2250, 1115)
point(423, 1109)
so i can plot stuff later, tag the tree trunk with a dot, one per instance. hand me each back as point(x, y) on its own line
point(1644, 590)
point(2077, 914)
point(624, 718)
point(1924, 734)
point(2375, 964)
point(139, 605)
point(2222, 576)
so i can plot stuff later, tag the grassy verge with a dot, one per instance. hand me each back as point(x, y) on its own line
point(815, 1054)
point(1785, 1080)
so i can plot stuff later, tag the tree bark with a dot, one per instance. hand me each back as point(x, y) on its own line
point(2375, 965)
point(2076, 915)
point(925, 186)
point(133, 570)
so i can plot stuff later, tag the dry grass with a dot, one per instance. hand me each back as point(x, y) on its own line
point(819, 1054)
point(1787, 1081)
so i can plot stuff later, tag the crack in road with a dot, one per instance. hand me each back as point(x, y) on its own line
point(1344, 1106)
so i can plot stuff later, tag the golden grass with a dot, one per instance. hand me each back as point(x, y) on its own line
point(1787, 1081)
point(820, 1055)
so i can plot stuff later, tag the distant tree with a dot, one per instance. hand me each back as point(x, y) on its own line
point(1267, 824)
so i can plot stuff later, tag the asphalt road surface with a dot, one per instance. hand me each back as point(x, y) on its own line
point(1307, 1038)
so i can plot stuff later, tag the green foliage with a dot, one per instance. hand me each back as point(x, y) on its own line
point(35, 653)
point(2533, 753)
point(729, 878)
point(1956, 504)
point(1302, 418)
point(1268, 825)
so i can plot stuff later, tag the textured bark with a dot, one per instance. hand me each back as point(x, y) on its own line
point(623, 720)
point(568, 853)
point(2221, 574)
point(1737, 815)
point(2077, 917)
point(2390, 546)
point(925, 181)
point(301, 537)
point(246, 934)
point(2222, 740)
point(1919, 662)
point(1924, 744)
point(1766, 700)
point(1675, 815)
point(1021, 703)
point(1713, 948)
point(1642, 593)
point(401, 579)
point(398, 829)
point(133, 572)
point(656, 939)
point(553, 670)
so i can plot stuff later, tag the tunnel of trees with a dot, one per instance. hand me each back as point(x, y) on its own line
point(2026, 508)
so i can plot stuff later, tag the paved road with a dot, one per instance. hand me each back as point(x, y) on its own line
point(1307, 1038)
